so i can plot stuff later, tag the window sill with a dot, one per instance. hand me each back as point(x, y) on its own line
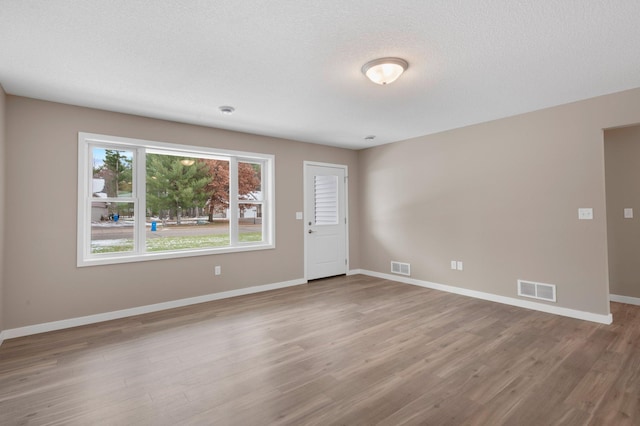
point(131, 258)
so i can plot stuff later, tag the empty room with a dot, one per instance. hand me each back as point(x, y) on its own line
point(319, 213)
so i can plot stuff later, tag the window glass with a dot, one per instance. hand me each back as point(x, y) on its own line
point(186, 203)
point(143, 200)
point(249, 222)
point(249, 181)
point(112, 173)
point(112, 231)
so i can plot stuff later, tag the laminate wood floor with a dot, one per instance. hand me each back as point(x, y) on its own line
point(343, 351)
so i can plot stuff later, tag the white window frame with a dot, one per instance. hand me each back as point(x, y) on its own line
point(138, 198)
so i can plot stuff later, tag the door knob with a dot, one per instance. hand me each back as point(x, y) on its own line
point(310, 231)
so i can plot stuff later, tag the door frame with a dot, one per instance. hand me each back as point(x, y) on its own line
point(306, 214)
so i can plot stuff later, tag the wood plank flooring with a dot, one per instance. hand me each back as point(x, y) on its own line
point(343, 351)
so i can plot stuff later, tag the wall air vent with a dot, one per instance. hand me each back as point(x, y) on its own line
point(537, 290)
point(400, 268)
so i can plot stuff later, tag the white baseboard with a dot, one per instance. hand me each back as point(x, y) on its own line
point(92, 319)
point(625, 299)
point(566, 312)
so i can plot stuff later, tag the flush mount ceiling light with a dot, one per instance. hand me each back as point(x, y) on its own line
point(227, 110)
point(384, 70)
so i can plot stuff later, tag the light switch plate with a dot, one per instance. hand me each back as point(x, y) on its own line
point(585, 213)
point(453, 264)
point(299, 215)
point(628, 213)
point(459, 265)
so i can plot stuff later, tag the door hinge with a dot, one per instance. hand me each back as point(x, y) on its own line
point(345, 261)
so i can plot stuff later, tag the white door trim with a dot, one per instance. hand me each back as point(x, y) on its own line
point(306, 213)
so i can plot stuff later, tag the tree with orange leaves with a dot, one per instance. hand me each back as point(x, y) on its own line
point(218, 187)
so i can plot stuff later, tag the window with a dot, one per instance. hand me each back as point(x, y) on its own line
point(143, 200)
point(325, 192)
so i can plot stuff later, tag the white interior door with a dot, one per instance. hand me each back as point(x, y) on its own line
point(325, 220)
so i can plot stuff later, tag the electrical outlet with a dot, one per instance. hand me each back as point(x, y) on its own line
point(585, 213)
point(218, 270)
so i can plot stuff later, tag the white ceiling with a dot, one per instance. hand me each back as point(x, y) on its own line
point(291, 68)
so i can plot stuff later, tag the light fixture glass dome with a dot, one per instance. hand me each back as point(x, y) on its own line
point(384, 70)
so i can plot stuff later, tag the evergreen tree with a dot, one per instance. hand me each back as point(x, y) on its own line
point(174, 184)
point(117, 172)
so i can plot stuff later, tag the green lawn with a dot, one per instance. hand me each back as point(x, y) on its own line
point(172, 243)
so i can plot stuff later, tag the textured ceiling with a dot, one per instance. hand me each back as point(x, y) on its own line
point(292, 68)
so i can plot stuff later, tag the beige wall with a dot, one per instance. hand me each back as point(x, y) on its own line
point(42, 282)
point(503, 198)
point(2, 202)
point(622, 176)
